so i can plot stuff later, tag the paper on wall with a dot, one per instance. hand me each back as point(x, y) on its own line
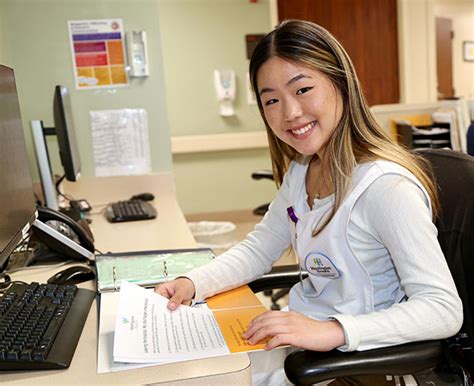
point(120, 142)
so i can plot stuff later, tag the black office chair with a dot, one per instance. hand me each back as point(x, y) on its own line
point(445, 362)
point(259, 175)
point(470, 139)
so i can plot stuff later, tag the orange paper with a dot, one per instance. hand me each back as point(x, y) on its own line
point(233, 311)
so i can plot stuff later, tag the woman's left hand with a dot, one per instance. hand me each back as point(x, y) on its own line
point(295, 329)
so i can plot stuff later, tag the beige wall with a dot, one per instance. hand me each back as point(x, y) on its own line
point(417, 47)
point(416, 55)
point(461, 12)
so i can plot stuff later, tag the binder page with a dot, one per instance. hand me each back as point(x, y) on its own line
point(147, 267)
point(146, 331)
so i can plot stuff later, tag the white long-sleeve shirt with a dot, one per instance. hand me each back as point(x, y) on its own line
point(391, 233)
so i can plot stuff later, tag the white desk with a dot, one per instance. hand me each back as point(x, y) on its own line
point(168, 231)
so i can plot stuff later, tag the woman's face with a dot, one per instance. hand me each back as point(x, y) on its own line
point(300, 104)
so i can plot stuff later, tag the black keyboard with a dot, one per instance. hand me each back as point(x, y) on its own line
point(40, 325)
point(131, 210)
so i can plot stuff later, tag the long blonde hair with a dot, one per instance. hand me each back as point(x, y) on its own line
point(358, 137)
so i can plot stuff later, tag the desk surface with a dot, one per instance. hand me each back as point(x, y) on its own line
point(168, 231)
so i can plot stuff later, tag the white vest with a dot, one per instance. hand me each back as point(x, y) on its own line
point(337, 282)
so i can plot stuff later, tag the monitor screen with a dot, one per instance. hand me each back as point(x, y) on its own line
point(17, 201)
point(66, 134)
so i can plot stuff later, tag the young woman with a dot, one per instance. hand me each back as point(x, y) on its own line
point(356, 208)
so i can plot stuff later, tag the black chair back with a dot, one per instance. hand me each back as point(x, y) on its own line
point(454, 175)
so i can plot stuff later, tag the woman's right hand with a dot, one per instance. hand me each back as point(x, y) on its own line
point(178, 291)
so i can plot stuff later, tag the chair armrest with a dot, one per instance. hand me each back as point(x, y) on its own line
point(282, 276)
point(259, 174)
point(308, 367)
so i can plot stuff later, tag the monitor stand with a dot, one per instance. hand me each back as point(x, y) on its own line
point(39, 133)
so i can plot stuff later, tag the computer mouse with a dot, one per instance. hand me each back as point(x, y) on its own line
point(143, 197)
point(72, 275)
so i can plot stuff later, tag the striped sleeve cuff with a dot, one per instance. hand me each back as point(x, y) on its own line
point(351, 332)
point(199, 291)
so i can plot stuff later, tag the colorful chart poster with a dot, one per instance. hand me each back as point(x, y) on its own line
point(98, 53)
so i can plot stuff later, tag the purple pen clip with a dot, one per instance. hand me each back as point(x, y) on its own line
point(291, 214)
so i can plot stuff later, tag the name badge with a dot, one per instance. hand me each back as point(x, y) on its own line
point(320, 265)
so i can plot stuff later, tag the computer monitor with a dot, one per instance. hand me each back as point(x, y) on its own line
point(68, 150)
point(66, 134)
point(18, 212)
point(17, 200)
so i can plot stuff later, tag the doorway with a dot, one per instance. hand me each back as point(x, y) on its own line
point(444, 58)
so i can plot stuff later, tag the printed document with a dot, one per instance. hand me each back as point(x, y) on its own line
point(147, 332)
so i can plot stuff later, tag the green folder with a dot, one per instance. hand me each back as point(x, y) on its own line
point(147, 268)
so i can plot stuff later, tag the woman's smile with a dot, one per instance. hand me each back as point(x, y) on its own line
point(304, 131)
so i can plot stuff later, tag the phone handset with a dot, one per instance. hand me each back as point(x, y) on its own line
point(63, 235)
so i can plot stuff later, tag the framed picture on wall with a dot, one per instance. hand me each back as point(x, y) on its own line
point(468, 51)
